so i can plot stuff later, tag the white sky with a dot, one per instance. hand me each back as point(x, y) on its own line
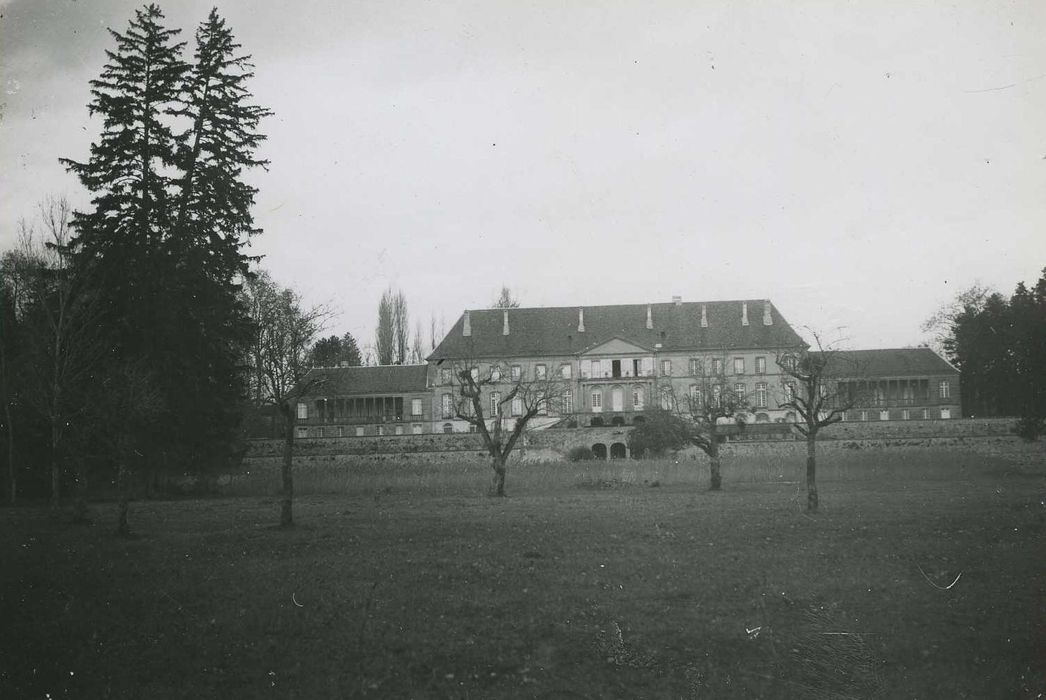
point(858, 163)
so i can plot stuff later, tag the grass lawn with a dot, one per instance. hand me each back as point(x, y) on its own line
point(589, 581)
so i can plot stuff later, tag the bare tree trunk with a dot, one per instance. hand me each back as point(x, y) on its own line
point(811, 473)
point(12, 472)
point(286, 515)
point(122, 477)
point(714, 465)
point(56, 471)
point(80, 499)
point(497, 484)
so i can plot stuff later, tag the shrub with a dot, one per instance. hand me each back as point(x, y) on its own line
point(1029, 428)
point(580, 454)
point(661, 431)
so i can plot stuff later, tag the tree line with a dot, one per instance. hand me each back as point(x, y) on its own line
point(999, 347)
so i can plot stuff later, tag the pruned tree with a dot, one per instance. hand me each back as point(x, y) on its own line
point(505, 299)
point(709, 406)
point(659, 432)
point(812, 389)
point(499, 407)
point(284, 332)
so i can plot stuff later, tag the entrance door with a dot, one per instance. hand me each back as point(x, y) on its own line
point(617, 399)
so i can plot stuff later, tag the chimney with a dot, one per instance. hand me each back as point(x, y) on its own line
point(678, 301)
point(768, 320)
point(704, 316)
point(581, 319)
point(744, 313)
point(468, 324)
point(504, 325)
point(649, 318)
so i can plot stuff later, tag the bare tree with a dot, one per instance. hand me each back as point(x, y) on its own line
point(417, 354)
point(62, 341)
point(284, 333)
point(511, 403)
point(385, 334)
point(941, 324)
point(709, 402)
point(400, 328)
point(505, 299)
point(812, 389)
point(19, 268)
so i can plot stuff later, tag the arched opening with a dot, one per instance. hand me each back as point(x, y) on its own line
point(790, 417)
point(617, 420)
point(762, 418)
point(599, 451)
point(448, 428)
point(638, 420)
point(617, 399)
point(597, 422)
point(618, 451)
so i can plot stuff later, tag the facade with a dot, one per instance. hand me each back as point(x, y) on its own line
point(610, 363)
point(357, 401)
point(615, 361)
point(897, 384)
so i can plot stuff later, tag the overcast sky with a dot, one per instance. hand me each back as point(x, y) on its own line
point(857, 162)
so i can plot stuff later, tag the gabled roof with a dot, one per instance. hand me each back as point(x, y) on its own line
point(890, 362)
point(386, 379)
point(537, 332)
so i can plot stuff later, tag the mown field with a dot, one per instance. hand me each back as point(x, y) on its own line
point(923, 577)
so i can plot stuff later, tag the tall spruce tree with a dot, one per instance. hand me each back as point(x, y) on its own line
point(170, 217)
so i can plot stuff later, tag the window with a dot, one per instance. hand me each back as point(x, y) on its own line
point(789, 388)
point(884, 414)
point(399, 429)
point(517, 373)
point(495, 373)
point(695, 396)
point(666, 399)
point(946, 413)
point(879, 396)
point(445, 406)
point(739, 391)
point(415, 407)
point(565, 370)
point(717, 396)
point(381, 430)
point(925, 413)
point(637, 398)
point(568, 401)
point(303, 432)
point(495, 402)
point(416, 429)
point(945, 389)
point(303, 411)
point(444, 376)
point(760, 394)
point(717, 366)
point(448, 428)
point(695, 367)
point(666, 368)
point(517, 407)
point(540, 372)
point(596, 368)
point(359, 431)
point(597, 401)
point(320, 432)
point(739, 365)
point(648, 366)
point(341, 431)
point(864, 415)
point(906, 414)
point(760, 365)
